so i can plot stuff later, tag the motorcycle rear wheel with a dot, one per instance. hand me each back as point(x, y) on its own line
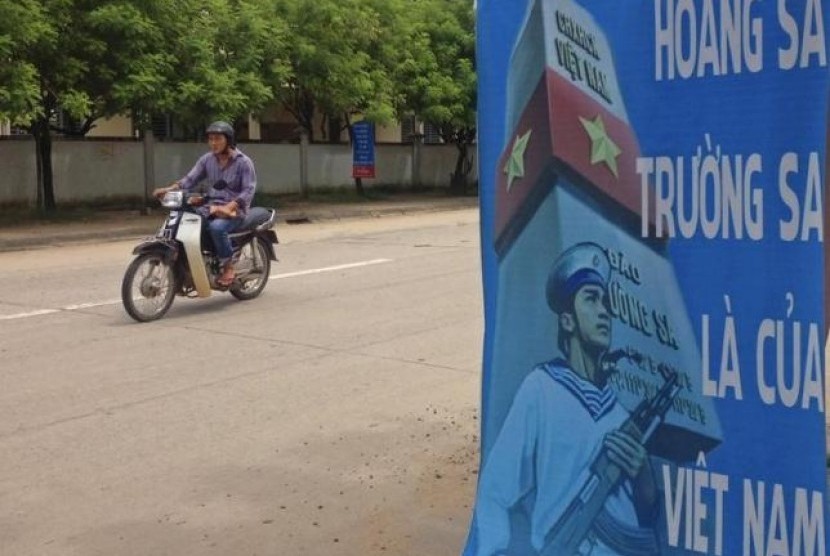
point(148, 288)
point(254, 259)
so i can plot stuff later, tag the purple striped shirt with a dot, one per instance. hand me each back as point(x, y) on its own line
point(239, 174)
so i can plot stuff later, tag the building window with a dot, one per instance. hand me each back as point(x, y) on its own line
point(431, 134)
point(65, 123)
point(162, 126)
point(408, 129)
point(166, 128)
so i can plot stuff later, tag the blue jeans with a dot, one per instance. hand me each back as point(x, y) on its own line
point(219, 229)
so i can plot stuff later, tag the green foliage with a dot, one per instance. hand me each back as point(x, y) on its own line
point(21, 26)
point(202, 59)
point(437, 80)
point(198, 58)
point(207, 59)
point(224, 57)
point(130, 64)
point(341, 56)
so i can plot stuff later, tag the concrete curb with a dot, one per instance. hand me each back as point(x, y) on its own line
point(57, 234)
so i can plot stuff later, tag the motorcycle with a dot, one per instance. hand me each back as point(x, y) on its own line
point(181, 259)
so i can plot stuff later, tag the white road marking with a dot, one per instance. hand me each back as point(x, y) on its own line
point(81, 306)
point(90, 305)
point(330, 269)
point(31, 314)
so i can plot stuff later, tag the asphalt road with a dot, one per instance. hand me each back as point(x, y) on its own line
point(336, 414)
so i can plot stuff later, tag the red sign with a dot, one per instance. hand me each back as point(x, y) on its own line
point(363, 171)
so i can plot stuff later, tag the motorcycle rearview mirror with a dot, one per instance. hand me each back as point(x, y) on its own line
point(220, 185)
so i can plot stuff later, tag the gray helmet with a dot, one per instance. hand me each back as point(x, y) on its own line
point(223, 128)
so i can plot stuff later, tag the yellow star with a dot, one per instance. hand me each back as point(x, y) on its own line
point(515, 167)
point(603, 149)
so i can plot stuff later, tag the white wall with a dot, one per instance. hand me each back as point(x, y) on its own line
point(18, 180)
point(90, 169)
point(393, 165)
point(94, 169)
point(329, 166)
point(277, 167)
point(438, 163)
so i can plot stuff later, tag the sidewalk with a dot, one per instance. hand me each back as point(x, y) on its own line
point(120, 225)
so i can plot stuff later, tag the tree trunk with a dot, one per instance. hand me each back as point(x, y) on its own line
point(39, 173)
point(458, 182)
point(335, 127)
point(306, 110)
point(301, 106)
point(43, 145)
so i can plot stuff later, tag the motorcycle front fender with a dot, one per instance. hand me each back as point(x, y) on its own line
point(168, 249)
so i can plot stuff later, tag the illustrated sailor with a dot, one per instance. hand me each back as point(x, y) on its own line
point(562, 415)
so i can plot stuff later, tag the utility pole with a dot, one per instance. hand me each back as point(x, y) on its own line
point(149, 169)
point(304, 164)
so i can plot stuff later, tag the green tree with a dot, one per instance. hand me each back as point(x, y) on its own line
point(99, 58)
point(84, 49)
point(340, 59)
point(21, 26)
point(437, 78)
point(365, 85)
point(224, 57)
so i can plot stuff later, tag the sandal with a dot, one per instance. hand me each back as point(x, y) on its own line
point(226, 279)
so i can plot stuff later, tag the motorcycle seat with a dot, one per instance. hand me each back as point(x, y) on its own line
point(257, 216)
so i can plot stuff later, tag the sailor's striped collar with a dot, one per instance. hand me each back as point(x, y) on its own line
point(597, 401)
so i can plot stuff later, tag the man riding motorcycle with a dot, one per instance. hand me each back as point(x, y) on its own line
point(224, 164)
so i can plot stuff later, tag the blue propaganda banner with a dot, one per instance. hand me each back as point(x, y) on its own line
point(363, 150)
point(652, 178)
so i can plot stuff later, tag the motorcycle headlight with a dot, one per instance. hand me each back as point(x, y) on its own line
point(173, 199)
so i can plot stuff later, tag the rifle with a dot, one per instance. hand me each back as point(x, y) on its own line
point(571, 529)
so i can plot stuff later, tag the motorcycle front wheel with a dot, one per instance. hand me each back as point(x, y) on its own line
point(254, 268)
point(148, 287)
